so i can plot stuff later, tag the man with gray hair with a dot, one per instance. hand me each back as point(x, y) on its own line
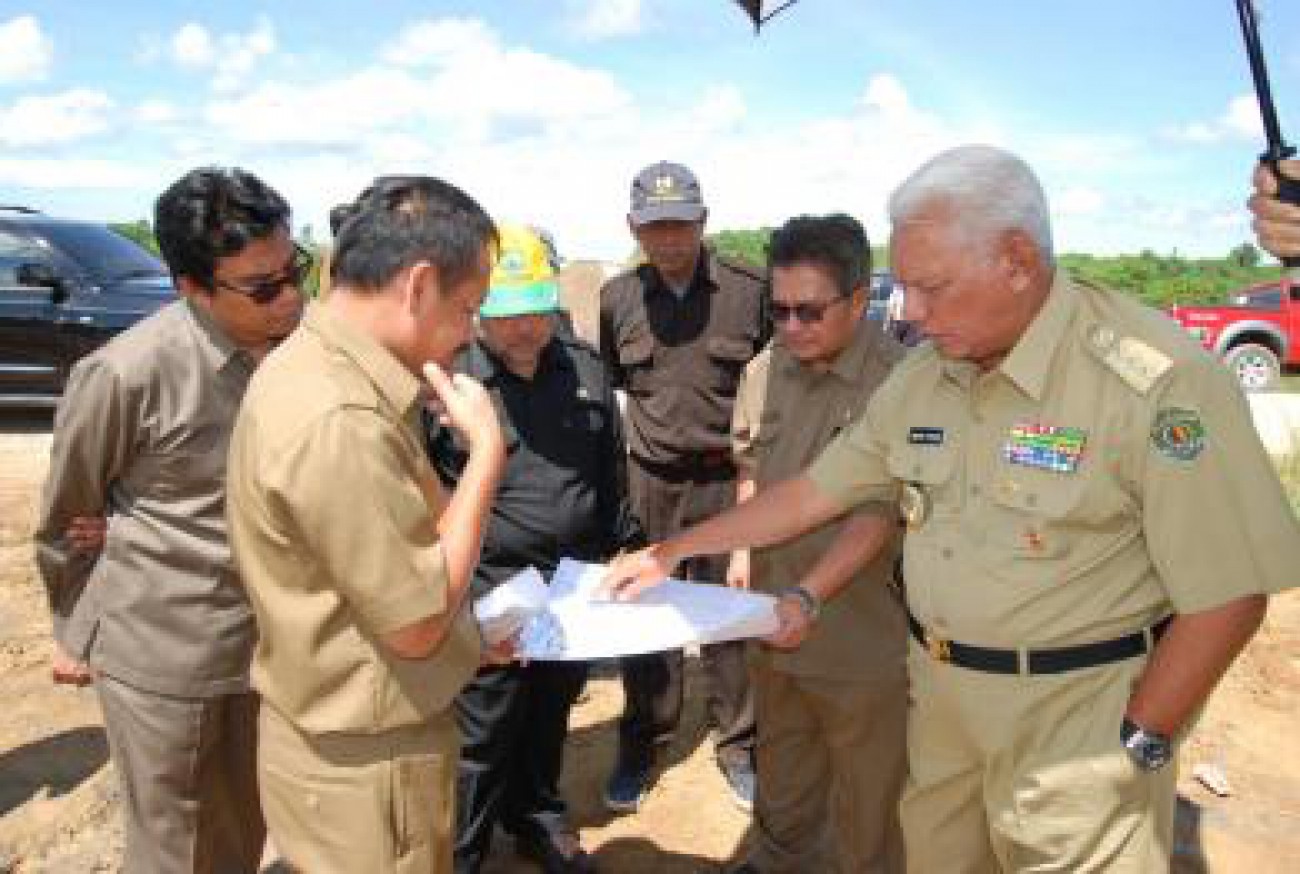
point(1079, 575)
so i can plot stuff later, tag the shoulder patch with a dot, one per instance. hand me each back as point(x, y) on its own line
point(1132, 360)
point(1178, 433)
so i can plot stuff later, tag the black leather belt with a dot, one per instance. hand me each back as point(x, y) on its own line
point(1056, 660)
point(705, 466)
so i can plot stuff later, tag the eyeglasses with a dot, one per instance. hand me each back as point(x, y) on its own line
point(263, 291)
point(805, 313)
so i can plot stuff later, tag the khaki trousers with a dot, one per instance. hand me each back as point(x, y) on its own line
point(189, 779)
point(1011, 773)
point(831, 759)
point(345, 804)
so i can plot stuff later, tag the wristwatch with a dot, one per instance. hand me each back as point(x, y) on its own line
point(1149, 750)
point(808, 602)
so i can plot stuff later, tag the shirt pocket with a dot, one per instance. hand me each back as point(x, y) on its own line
point(728, 356)
point(636, 360)
point(931, 471)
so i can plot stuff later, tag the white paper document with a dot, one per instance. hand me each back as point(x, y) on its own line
point(572, 624)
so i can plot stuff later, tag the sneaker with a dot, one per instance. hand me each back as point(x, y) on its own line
point(627, 788)
point(557, 854)
point(742, 783)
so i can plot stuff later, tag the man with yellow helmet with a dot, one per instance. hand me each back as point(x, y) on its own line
point(563, 493)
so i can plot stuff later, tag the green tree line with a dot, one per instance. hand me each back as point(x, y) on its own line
point(1159, 280)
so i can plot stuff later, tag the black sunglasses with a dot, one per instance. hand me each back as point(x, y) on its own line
point(804, 313)
point(263, 291)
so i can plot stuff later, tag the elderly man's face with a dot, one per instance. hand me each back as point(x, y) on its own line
point(966, 298)
point(671, 246)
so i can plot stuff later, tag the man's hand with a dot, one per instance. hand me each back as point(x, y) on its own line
point(86, 534)
point(738, 570)
point(462, 403)
point(631, 574)
point(501, 653)
point(69, 671)
point(795, 624)
point(1276, 224)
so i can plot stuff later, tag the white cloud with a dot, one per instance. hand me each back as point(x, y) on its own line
point(192, 46)
point(602, 19)
point(440, 42)
point(1078, 201)
point(156, 112)
point(1239, 121)
point(455, 82)
point(57, 118)
point(231, 56)
point(25, 52)
point(72, 173)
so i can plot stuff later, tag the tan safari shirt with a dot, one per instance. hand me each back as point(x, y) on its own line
point(1104, 475)
point(140, 437)
point(332, 509)
point(785, 415)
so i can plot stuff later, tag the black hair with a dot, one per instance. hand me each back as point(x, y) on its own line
point(836, 243)
point(400, 220)
point(211, 213)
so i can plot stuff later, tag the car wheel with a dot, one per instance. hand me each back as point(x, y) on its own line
point(1256, 367)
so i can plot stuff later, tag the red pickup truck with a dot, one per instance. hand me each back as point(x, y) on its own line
point(1257, 332)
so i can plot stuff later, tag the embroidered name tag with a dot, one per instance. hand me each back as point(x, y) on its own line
point(925, 436)
point(1050, 447)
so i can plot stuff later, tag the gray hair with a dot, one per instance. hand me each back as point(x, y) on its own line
point(989, 190)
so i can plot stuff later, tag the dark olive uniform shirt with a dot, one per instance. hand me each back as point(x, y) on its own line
point(564, 490)
point(141, 438)
point(680, 357)
point(786, 413)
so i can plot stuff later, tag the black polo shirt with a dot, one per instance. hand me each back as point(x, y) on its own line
point(564, 490)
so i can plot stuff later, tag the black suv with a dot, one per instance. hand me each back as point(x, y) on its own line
point(66, 287)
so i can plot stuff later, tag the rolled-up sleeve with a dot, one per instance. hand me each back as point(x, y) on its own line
point(1216, 519)
point(353, 490)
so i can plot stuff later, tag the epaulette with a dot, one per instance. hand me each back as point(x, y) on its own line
point(1137, 363)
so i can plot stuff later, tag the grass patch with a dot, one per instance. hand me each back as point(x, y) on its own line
point(1290, 382)
point(1289, 470)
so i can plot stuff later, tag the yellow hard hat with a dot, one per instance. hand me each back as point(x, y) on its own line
point(523, 280)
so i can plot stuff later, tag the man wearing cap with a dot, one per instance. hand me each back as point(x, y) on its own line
point(1079, 573)
point(355, 559)
point(830, 691)
point(676, 332)
point(563, 494)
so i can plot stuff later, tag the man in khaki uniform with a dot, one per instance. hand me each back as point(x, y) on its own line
point(1079, 569)
point(830, 692)
point(356, 565)
point(158, 619)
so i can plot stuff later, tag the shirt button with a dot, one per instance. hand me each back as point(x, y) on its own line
point(1031, 500)
point(946, 552)
point(975, 491)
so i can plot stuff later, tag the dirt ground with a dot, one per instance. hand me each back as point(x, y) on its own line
point(59, 799)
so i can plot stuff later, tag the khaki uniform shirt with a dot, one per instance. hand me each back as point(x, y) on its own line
point(1105, 474)
point(786, 413)
point(680, 357)
point(332, 509)
point(141, 437)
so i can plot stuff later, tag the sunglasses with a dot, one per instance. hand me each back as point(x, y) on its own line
point(263, 291)
point(804, 313)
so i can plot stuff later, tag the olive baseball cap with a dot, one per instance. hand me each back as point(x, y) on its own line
point(523, 280)
point(666, 192)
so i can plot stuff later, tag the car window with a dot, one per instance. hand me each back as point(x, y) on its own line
point(1263, 299)
point(16, 250)
point(102, 253)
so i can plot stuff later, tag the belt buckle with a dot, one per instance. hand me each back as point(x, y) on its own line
point(937, 647)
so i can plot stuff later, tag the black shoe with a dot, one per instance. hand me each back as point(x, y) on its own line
point(742, 783)
point(627, 787)
point(557, 854)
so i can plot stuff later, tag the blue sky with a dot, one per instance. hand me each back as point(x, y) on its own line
point(1136, 113)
